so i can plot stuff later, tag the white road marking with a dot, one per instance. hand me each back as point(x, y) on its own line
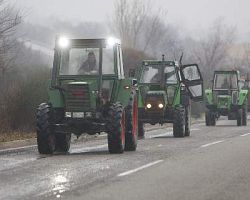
point(74, 150)
point(161, 135)
point(245, 134)
point(195, 129)
point(212, 143)
point(169, 133)
point(86, 149)
point(139, 168)
point(18, 148)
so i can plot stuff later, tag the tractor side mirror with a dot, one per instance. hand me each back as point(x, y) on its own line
point(131, 73)
point(192, 78)
point(134, 82)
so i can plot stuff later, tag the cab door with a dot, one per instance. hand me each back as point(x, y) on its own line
point(192, 79)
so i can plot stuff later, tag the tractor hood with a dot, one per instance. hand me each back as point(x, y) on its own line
point(80, 96)
point(224, 101)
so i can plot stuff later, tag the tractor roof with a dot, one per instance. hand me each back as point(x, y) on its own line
point(91, 43)
point(226, 71)
point(158, 62)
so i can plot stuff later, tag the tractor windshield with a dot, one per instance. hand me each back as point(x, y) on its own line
point(153, 74)
point(225, 81)
point(85, 61)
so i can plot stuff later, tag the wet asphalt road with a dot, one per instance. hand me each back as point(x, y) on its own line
point(213, 163)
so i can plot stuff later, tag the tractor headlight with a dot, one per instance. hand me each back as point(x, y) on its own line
point(149, 105)
point(112, 41)
point(63, 42)
point(78, 114)
point(88, 114)
point(160, 105)
point(68, 114)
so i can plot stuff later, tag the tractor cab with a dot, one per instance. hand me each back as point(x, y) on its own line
point(86, 69)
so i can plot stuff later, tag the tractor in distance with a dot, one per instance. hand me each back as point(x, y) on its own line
point(88, 94)
point(165, 89)
point(247, 86)
point(227, 97)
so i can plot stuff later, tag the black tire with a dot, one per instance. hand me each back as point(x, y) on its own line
point(187, 120)
point(131, 130)
point(210, 118)
point(63, 142)
point(207, 118)
point(179, 122)
point(141, 130)
point(239, 117)
point(45, 135)
point(244, 115)
point(116, 126)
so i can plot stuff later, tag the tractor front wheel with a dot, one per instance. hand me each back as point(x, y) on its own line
point(141, 130)
point(63, 142)
point(131, 131)
point(116, 126)
point(179, 122)
point(46, 140)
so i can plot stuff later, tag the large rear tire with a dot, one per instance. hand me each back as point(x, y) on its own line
point(207, 118)
point(244, 115)
point(46, 140)
point(131, 130)
point(210, 118)
point(239, 117)
point(179, 122)
point(187, 120)
point(116, 126)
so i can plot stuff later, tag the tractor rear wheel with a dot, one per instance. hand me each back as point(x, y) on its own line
point(131, 130)
point(63, 142)
point(116, 126)
point(239, 117)
point(187, 120)
point(46, 140)
point(179, 122)
point(210, 118)
point(244, 115)
point(207, 118)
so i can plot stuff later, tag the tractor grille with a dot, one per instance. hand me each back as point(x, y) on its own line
point(78, 97)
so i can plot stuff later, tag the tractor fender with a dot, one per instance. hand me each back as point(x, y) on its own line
point(209, 96)
point(242, 97)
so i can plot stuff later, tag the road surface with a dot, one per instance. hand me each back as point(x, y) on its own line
point(213, 163)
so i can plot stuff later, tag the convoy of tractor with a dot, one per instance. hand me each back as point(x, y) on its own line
point(89, 94)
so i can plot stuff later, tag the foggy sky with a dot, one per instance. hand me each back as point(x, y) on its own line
point(191, 14)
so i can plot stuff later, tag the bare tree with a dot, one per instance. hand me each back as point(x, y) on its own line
point(211, 51)
point(9, 19)
point(143, 27)
point(128, 20)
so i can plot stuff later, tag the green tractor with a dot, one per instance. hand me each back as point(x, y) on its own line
point(226, 98)
point(88, 94)
point(247, 86)
point(165, 89)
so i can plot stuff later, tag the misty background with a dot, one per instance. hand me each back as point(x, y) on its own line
point(213, 34)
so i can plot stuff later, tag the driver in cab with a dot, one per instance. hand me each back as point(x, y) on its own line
point(89, 65)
